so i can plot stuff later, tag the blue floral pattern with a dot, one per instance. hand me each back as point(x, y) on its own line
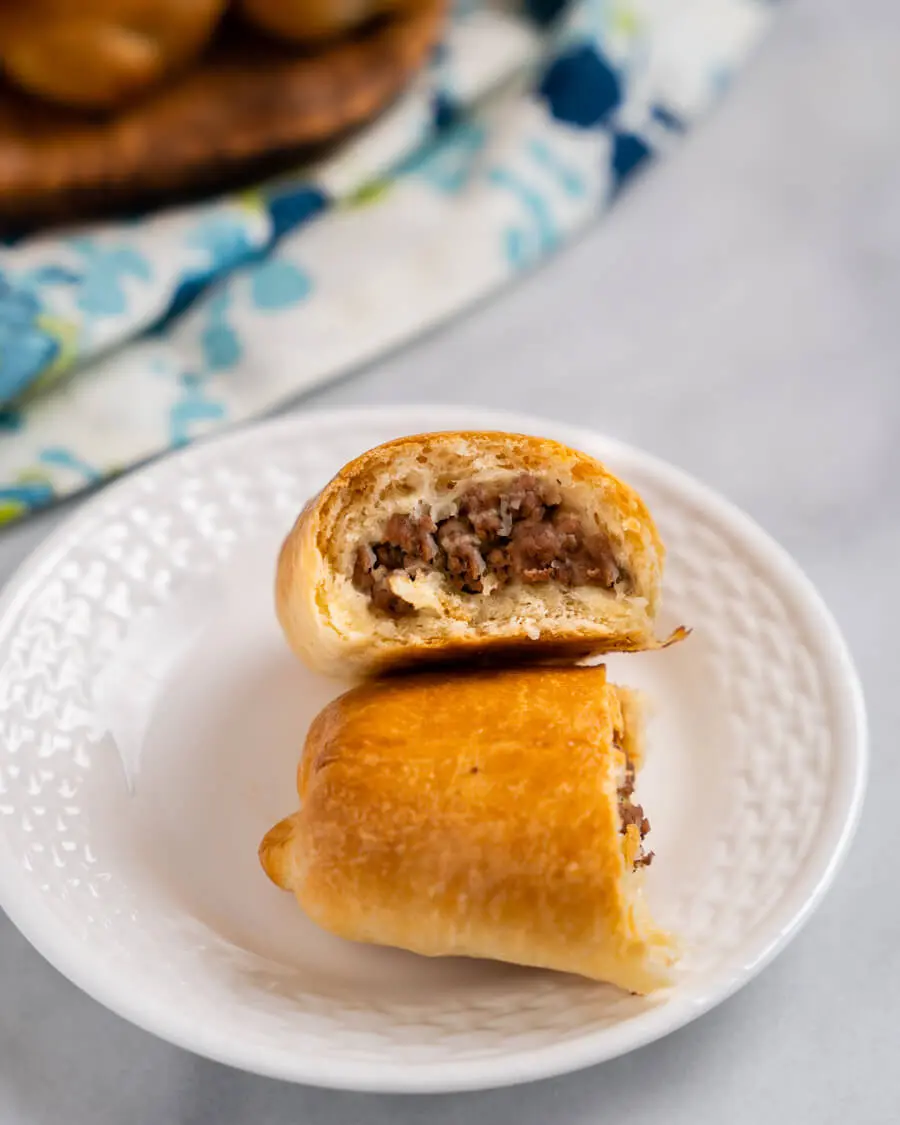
point(26, 347)
point(101, 285)
point(184, 321)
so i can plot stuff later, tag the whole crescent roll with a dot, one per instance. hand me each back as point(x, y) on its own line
point(445, 546)
point(100, 53)
point(486, 814)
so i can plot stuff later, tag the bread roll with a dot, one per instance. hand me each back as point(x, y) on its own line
point(100, 53)
point(446, 546)
point(483, 814)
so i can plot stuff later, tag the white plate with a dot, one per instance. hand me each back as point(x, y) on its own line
point(151, 720)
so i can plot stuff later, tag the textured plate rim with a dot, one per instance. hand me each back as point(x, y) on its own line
point(25, 907)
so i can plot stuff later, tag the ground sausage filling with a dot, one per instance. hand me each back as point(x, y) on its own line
point(521, 533)
point(630, 813)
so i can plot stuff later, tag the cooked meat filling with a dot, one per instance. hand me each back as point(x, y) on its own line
point(630, 813)
point(523, 533)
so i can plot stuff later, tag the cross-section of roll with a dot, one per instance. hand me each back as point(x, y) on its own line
point(448, 545)
point(483, 814)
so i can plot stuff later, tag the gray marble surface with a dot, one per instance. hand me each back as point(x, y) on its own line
point(739, 315)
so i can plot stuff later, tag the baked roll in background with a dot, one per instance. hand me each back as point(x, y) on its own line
point(448, 545)
point(485, 814)
point(101, 53)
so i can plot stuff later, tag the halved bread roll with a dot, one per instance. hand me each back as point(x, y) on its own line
point(448, 545)
point(483, 814)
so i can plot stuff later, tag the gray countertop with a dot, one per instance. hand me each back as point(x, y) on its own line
point(739, 314)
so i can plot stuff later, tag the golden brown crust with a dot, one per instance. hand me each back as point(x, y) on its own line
point(474, 815)
point(100, 53)
point(275, 852)
point(333, 628)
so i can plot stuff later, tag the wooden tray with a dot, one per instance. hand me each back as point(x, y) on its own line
point(246, 109)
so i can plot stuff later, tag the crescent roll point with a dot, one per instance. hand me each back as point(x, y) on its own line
point(446, 546)
point(485, 814)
